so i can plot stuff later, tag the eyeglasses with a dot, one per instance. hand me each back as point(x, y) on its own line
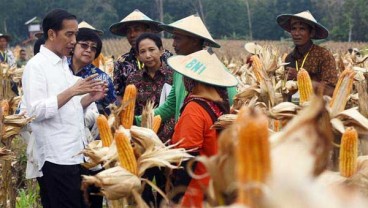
point(85, 46)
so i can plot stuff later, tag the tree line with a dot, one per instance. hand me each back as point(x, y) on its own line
point(347, 20)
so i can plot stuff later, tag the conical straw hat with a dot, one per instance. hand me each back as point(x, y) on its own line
point(194, 26)
point(84, 24)
point(38, 34)
point(203, 66)
point(284, 22)
point(7, 37)
point(120, 28)
point(253, 48)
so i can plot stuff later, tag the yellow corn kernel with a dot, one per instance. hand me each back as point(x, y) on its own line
point(105, 131)
point(156, 123)
point(127, 115)
point(304, 85)
point(257, 67)
point(125, 151)
point(348, 152)
point(252, 153)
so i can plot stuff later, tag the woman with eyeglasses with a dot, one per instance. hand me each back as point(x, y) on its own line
point(87, 48)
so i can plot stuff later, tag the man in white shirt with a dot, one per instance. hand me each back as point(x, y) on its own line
point(58, 100)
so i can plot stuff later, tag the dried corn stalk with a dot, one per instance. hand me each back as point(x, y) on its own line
point(363, 97)
point(147, 115)
point(263, 79)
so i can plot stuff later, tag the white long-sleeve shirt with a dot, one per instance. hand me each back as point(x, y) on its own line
point(59, 133)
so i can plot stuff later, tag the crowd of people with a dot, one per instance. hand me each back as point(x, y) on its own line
point(64, 90)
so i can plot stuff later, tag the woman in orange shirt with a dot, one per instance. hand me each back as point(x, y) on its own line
point(205, 79)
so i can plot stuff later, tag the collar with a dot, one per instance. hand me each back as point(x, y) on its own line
point(300, 51)
point(163, 70)
point(84, 69)
point(54, 59)
point(132, 52)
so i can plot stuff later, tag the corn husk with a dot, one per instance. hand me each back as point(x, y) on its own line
point(162, 157)
point(314, 122)
point(284, 110)
point(352, 117)
point(147, 138)
point(97, 154)
point(224, 121)
point(6, 154)
point(115, 182)
point(147, 115)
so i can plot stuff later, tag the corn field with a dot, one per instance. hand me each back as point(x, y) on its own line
point(272, 153)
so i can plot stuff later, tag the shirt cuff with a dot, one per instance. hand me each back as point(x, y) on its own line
point(51, 107)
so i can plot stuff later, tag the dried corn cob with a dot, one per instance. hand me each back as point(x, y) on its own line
point(276, 125)
point(156, 123)
point(342, 91)
point(304, 85)
point(125, 151)
point(257, 67)
point(5, 107)
point(127, 115)
point(105, 131)
point(348, 152)
point(252, 153)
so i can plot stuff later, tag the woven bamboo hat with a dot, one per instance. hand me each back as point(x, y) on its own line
point(192, 26)
point(284, 21)
point(203, 66)
point(38, 35)
point(136, 16)
point(7, 37)
point(253, 48)
point(84, 24)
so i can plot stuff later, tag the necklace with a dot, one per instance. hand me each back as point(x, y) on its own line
point(305, 58)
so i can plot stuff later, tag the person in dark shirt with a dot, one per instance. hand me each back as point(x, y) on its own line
point(318, 61)
point(150, 82)
point(132, 26)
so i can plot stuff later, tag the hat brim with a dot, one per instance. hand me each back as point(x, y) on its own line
point(284, 22)
point(7, 37)
point(172, 29)
point(120, 28)
point(220, 76)
point(253, 48)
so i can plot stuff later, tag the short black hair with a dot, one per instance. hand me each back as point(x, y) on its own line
point(155, 38)
point(54, 20)
point(85, 34)
point(37, 45)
